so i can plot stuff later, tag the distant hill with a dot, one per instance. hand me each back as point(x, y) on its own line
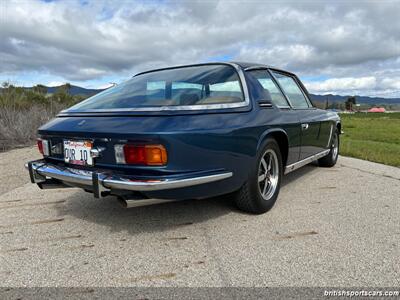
point(77, 90)
point(359, 99)
point(74, 90)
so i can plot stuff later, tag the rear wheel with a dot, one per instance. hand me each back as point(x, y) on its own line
point(331, 159)
point(260, 191)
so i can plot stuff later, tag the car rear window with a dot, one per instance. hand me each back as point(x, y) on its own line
point(182, 86)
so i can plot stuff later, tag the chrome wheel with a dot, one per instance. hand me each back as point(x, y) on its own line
point(268, 174)
point(335, 146)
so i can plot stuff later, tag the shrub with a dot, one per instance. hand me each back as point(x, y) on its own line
point(23, 110)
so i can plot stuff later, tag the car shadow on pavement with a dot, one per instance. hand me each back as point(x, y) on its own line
point(155, 218)
point(299, 174)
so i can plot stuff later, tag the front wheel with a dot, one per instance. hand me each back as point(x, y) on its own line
point(260, 191)
point(331, 159)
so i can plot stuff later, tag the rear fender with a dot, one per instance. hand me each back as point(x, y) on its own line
point(283, 145)
point(267, 133)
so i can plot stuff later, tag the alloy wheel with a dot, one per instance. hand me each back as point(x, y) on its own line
point(268, 174)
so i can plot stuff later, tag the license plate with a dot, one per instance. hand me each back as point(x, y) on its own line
point(78, 152)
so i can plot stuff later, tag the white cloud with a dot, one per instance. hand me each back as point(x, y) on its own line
point(368, 86)
point(391, 83)
point(104, 86)
point(54, 83)
point(339, 39)
point(342, 84)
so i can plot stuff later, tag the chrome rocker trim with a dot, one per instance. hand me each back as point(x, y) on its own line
point(305, 161)
point(40, 172)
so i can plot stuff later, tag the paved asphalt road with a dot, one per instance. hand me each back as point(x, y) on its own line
point(330, 227)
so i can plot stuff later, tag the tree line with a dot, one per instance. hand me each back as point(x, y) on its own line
point(25, 98)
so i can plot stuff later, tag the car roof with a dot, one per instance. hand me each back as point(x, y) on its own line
point(251, 65)
point(243, 65)
point(247, 65)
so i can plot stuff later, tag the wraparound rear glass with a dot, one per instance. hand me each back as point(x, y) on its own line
point(176, 87)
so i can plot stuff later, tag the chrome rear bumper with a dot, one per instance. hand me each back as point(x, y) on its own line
point(41, 171)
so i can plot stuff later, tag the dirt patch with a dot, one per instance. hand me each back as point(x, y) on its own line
point(177, 238)
point(80, 247)
point(33, 204)
point(46, 221)
point(13, 167)
point(154, 277)
point(16, 250)
point(295, 235)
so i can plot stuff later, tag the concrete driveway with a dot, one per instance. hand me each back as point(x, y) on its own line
point(330, 227)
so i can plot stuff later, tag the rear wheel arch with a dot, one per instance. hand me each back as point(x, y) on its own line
point(261, 189)
point(281, 138)
point(339, 127)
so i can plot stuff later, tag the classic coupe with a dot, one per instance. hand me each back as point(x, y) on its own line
point(185, 132)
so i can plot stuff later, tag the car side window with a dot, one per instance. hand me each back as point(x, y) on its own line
point(269, 85)
point(291, 90)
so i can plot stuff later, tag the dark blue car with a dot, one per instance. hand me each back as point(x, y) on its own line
point(194, 131)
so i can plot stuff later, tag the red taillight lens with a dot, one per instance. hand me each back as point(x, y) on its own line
point(40, 145)
point(43, 146)
point(149, 155)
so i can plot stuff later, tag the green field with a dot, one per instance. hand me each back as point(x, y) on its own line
point(372, 136)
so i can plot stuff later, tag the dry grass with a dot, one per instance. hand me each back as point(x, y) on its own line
point(18, 127)
point(23, 111)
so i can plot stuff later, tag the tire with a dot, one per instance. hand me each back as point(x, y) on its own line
point(331, 159)
point(258, 195)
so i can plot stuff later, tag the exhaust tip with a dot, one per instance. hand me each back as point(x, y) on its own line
point(122, 202)
point(129, 203)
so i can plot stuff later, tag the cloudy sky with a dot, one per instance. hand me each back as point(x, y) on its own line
point(342, 47)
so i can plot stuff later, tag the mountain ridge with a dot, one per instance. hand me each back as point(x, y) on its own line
point(331, 98)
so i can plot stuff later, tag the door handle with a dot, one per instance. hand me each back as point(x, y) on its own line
point(304, 126)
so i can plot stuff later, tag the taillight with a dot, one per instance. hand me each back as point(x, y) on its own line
point(40, 145)
point(43, 146)
point(148, 155)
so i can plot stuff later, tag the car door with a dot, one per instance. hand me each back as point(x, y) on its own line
point(314, 129)
point(283, 116)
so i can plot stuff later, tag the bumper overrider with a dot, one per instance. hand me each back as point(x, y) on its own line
point(101, 183)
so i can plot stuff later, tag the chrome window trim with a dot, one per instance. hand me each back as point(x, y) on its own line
point(275, 81)
point(301, 87)
point(271, 73)
point(242, 81)
point(296, 81)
